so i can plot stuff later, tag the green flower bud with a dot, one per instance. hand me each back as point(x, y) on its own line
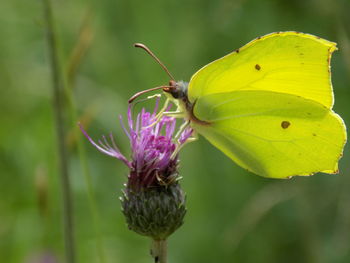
point(154, 212)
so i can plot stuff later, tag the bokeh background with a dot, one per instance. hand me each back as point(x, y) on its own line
point(233, 216)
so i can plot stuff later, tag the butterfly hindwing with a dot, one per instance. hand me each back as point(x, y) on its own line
point(272, 134)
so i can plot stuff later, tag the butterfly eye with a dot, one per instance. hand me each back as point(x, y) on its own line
point(172, 83)
point(176, 92)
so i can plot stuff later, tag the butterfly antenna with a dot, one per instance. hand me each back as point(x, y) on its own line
point(138, 94)
point(144, 47)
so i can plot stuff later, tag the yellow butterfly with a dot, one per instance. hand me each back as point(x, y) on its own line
point(267, 105)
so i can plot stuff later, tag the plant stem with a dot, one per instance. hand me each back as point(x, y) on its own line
point(81, 47)
point(159, 251)
point(58, 87)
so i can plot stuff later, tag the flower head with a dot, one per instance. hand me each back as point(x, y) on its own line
point(153, 202)
point(154, 148)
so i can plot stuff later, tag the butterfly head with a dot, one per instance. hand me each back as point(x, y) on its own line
point(177, 90)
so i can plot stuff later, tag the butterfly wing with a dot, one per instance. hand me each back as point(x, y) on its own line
point(272, 134)
point(285, 62)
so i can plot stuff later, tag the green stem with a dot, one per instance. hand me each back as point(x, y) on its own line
point(58, 87)
point(159, 251)
point(73, 64)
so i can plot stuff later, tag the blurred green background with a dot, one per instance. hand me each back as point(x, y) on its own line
point(233, 216)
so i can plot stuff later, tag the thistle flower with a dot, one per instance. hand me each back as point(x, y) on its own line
point(153, 201)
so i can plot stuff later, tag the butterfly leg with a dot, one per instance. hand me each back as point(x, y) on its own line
point(181, 129)
point(158, 95)
point(176, 114)
point(179, 146)
point(159, 114)
point(162, 110)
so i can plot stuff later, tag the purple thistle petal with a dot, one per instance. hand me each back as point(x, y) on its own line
point(105, 141)
point(157, 128)
point(152, 146)
point(169, 107)
point(123, 127)
point(185, 135)
point(113, 143)
point(170, 128)
point(130, 122)
point(156, 107)
point(103, 146)
point(137, 129)
point(106, 150)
